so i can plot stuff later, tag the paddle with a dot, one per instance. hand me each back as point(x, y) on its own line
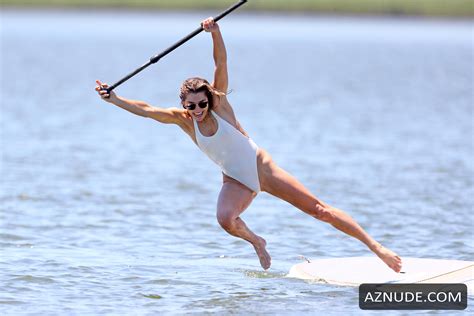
point(155, 58)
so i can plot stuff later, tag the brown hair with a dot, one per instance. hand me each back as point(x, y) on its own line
point(196, 85)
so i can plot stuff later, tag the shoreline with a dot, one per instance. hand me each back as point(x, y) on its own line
point(256, 13)
point(461, 9)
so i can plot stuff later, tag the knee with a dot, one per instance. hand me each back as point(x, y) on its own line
point(227, 222)
point(323, 212)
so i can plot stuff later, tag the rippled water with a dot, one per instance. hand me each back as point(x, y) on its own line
point(104, 212)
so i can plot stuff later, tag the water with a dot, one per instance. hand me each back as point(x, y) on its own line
point(103, 212)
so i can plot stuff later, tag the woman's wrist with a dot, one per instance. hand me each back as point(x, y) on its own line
point(216, 31)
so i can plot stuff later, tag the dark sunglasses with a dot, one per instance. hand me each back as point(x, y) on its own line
point(192, 106)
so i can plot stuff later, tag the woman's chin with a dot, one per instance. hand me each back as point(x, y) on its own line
point(199, 118)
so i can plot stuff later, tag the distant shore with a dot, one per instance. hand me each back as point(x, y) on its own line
point(430, 8)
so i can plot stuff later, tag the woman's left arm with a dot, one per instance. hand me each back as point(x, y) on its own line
point(221, 78)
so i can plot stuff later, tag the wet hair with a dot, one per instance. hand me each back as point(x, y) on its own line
point(196, 85)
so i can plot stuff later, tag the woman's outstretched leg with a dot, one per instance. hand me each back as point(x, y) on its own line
point(281, 184)
point(234, 198)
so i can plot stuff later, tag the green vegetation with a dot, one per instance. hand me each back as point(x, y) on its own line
point(399, 7)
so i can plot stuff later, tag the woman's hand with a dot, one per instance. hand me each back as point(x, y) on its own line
point(110, 97)
point(209, 25)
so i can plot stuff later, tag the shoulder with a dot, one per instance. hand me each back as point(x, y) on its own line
point(224, 111)
point(184, 120)
point(220, 102)
point(181, 115)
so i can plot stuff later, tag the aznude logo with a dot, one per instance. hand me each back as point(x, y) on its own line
point(413, 296)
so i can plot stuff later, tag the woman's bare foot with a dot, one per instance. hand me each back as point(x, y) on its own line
point(389, 257)
point(263, 256)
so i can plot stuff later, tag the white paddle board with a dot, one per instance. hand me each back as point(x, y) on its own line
point(357, 270)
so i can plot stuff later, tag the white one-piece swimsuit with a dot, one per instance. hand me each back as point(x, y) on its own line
point(233, 152)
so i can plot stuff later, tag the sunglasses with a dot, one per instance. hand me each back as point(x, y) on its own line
point(192, 106)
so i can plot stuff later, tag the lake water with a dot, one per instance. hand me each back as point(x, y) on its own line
point(103, 212)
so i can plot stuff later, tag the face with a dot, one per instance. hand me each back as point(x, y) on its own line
point(197, 100)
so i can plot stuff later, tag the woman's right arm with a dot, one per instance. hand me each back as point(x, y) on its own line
point(141, 108)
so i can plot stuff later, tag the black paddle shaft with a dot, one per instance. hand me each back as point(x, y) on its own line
point(155, 58)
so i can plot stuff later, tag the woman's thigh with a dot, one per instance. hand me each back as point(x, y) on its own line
point(233, 199)
point(278, 182)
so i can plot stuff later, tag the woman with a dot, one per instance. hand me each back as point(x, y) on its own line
point(207, 117)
